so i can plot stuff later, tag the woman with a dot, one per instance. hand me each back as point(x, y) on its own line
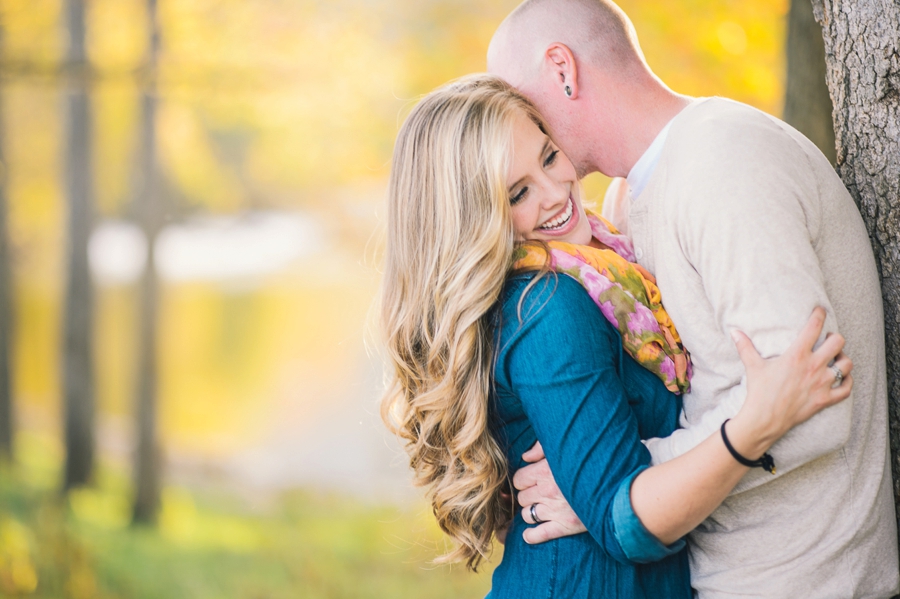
point(486, 361)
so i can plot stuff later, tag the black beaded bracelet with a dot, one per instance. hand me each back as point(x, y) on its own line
point(765, 462)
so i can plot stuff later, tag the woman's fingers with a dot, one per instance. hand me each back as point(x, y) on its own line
point(844, 364)
point(747, 352)
point(842, 391)
point(824, 392)
point(829, 373)
point(830, 349)
point(811, 331)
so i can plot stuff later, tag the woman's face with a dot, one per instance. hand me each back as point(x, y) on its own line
point(543, 189)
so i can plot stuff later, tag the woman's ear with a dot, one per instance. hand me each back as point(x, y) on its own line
point(561, 62)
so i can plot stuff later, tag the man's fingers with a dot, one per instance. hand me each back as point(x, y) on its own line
point(747, 352)
point(528, 513)
point(535, 454)
point(811, 331)
point(543, 533)
point(528, 476)
point(535, 494)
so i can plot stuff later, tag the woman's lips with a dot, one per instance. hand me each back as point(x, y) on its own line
point(569, 217)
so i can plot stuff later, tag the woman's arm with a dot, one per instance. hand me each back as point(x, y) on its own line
point(559, 374)
point(672, 498)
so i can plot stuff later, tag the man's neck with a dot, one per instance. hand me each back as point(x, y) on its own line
point(642, 115)
point(650, 120)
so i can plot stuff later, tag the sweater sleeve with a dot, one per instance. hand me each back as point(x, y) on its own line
point(663, 449)
point(747, 221)
point(563, 363)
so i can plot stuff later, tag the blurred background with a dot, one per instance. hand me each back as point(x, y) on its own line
point(190, 215)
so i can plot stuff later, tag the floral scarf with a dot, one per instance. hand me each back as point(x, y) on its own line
point(626, 294)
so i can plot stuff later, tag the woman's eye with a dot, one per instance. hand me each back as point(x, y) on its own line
point(518, 197)
point(551, 158)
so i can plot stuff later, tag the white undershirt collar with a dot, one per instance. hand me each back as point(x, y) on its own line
point(643, 169)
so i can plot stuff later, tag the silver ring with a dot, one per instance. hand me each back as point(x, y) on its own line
point(533, 511)
point(838, 377)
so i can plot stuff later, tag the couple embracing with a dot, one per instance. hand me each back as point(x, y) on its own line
point(672, 409)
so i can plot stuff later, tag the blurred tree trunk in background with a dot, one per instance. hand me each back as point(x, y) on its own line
point(807, 105)
point(862, 45)
point(6, 400)
point(78, 380)
point(147, 458)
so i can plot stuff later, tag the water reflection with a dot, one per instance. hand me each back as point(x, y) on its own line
point(265, 379)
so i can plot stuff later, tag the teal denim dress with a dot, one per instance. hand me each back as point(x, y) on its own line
point(562, 377)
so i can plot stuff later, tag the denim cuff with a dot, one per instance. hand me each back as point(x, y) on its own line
point(636, 542)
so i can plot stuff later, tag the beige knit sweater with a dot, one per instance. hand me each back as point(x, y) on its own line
point(746, 226)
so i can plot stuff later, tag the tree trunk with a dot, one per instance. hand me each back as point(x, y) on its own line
point(807, 105)
point(862, 45)
point(147, 459)
point(7, 413)
point(78, 369)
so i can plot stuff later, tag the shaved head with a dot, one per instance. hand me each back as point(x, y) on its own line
point(580, 64)
point(596, 31)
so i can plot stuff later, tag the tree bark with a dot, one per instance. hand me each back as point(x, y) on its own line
point(807, 105)
point(7, 413)
point(147, 458)
point(78, 373)
point(862, 46)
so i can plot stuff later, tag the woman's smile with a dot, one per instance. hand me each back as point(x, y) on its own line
point(563, 222)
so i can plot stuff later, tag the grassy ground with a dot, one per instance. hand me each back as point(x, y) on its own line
point(211, 546)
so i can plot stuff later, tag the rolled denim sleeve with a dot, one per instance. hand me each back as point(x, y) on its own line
point(637, 543)
point(563, 362)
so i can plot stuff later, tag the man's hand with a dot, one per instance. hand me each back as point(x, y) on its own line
point(537, 488)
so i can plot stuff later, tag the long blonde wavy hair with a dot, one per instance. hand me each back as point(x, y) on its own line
point(450, 242)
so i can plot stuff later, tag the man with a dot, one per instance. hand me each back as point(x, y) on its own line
point(747, 227)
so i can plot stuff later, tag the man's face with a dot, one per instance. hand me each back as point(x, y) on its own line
point(537, 82)
point(557, 111)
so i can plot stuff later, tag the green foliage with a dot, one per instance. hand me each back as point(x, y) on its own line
point(212, 545)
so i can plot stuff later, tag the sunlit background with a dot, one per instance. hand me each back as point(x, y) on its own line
point(272, 127)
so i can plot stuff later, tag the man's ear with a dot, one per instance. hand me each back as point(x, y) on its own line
point(561, 62)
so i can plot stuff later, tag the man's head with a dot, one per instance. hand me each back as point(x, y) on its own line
point(580, 63)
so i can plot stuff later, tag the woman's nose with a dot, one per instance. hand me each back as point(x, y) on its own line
point(556, 193)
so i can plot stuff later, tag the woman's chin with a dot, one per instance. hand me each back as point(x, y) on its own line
point(581, 234)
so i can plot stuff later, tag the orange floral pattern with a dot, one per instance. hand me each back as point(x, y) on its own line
point(626, 294)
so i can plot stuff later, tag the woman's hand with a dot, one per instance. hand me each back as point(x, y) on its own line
point(782, 392)
point(537, 488)
point(785, 391)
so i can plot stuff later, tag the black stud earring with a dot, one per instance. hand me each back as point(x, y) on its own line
point(568, 91)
